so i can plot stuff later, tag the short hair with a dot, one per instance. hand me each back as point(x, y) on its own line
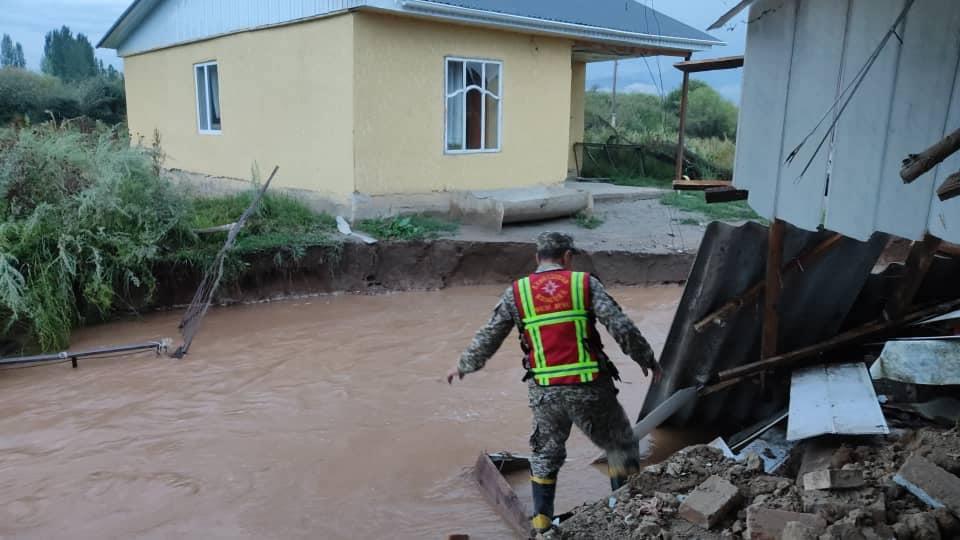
point(552, 253)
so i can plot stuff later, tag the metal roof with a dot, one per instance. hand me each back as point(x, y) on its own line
point(619, 22)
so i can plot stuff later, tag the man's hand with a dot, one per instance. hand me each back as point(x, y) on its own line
point(454, 373)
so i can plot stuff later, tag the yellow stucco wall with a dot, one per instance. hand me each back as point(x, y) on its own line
point(286, 96)
point(578, 88)
point(399, 107)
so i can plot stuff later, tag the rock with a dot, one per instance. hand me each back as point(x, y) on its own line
point(648, 528)
point(795, 530)
point(668, 499)
point(754, 463)
point(930, 483)
point(768, 523)
point(710, 502)
point(834, 505)
point(674, 469)
point(922, 526)
point(843, 531)
point(738, 527)
point(948, 523)
point(767, 484)
point(833, 479)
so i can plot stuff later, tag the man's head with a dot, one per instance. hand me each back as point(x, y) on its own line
point(556, 248)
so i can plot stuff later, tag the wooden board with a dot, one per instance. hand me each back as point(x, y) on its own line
point(710, 64)
point(497, 491)
point(837, 399)
point(725, 194)
point(945, 215)
point(700, 185)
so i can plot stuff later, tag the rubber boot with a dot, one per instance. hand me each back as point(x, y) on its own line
point(620, 475)
point(544, 491)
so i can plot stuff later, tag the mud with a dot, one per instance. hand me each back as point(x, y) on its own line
point(319, 418)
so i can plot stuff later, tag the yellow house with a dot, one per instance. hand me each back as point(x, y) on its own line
point(379, 100)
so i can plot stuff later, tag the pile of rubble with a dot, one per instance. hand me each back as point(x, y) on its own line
point(902, 485)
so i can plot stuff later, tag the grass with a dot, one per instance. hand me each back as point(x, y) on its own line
point(695, 202)
point(406, 227)
point(689, 221)
point(587, 220)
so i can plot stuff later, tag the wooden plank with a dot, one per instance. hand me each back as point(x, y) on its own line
point(700, 185)
point(725, 194)
point(918, 164)
point(833, 400)
point(710, 64)
point(857, 335)
point(814, 82)
point(945, 215)
point(731, 13)
point(805, 260)
point(858, 157)
point(771, 310)
point(921, 105)
point(678, 173)
point(918, 264)
point(950, 188)
point(763, 102)
point(497, 491)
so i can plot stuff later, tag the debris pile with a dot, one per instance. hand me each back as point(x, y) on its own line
point(830, 488)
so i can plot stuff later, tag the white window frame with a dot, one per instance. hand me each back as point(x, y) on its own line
point(206, 85)
point(483, 106)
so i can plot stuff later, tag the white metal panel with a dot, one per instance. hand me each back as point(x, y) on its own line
point(862, 130)
point(814, 80)
point(836, 399)
point(945, 215)
point(178, 21)
point(766, 73)
point(927, 70)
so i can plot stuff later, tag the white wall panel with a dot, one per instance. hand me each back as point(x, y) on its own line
point(945, 216)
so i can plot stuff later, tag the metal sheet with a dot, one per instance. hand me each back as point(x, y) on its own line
point(943, 318)
point(833, 399)
point(730, 260)
point(934, 362)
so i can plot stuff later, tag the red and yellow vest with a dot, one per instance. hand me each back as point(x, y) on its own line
point(557, 327)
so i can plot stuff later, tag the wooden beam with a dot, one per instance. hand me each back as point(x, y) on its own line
point(725, 194)
point(953, 250)
point(917, 164)
point(918, 264)
point(710, 64)
point(624, 52)
point(805, 260)
point(498, 493)
point(683, 123)
point(700, 185)
point(771, 309)
point(847, 338)
point(950, 188)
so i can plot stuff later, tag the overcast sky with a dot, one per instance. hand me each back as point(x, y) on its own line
point(27, 21)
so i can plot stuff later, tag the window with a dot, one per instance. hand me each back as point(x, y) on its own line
point(208, 97)
point(473, 92)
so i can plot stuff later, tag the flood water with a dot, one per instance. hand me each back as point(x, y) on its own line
point(319, 418)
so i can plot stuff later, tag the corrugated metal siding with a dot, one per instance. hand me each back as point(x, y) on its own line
point(797, 53)
point(178, 21)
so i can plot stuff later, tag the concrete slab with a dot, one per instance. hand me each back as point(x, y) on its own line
point(930, 483)
point(710, 502)
point(603, 192)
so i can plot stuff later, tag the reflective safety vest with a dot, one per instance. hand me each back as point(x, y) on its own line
point(558, 332)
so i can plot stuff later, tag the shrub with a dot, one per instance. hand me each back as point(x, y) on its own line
point(31, 97)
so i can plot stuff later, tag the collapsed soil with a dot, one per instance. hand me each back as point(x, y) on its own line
point(647, 506)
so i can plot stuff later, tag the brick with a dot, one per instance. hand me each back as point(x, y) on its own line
point(795, 530)
point(707, 504)
point(819, 454)
point(837, 504)
point(833, 479)
point(769, 523)
point(930, 483)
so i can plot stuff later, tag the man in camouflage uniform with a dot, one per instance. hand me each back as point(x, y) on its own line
point(591, 406)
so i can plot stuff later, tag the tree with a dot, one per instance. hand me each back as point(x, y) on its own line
point(11, 56)
point(68, 57)
point(708, 113)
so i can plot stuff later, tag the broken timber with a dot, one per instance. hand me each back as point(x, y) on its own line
point(917, 164)
point(847, 338)
point(751, 295)
point(771, 310)
point(710, 64)
point(950, 188)
point(725, 194)
point(918, 264)
point(700, 185)
point(498, 493)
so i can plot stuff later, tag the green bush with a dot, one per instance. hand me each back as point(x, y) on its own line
point(406, 227)
point(31, 97)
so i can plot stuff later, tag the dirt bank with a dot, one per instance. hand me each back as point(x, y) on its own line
point(399, 266)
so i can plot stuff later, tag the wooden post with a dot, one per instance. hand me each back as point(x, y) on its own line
point(683, 121)
point(498, 493)
point(771, 309)
point(918, 264)
point(916, 165)
point(950, 187)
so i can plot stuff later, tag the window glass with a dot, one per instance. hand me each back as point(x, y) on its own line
point(202, 116)
point(213, 91)
point(472, 105)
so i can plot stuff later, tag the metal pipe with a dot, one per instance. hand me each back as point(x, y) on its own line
point(159, 346)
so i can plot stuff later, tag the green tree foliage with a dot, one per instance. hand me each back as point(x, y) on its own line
point(708, 113)
point(26, 96)
point(67, 57)
point(11, 55)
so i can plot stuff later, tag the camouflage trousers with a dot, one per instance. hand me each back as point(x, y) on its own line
point(594, 409)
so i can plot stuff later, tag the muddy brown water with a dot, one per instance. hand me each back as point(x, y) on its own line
point(317, 418)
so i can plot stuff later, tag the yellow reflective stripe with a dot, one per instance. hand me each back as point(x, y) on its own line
point(543, 481)
point(577, 291)
point(526, 296)
point(539, 361)
point(557, 316)
point(571, 373)
point(551, 370)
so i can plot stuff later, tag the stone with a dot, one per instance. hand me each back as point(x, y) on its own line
point(796, 530)
point(948, 523)
point(930, 483)
point(833, 479)
point(768, 523)
point(710, 502)
point(738, 527)
point(754, 463)
point(834, 505)
point(822, 453)
point(767, 484)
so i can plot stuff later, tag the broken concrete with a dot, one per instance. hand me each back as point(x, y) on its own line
point(835, 504)
point(710, 502)
point(796, 530)
point(930, 483)
point(769, 523)
point(833, 479)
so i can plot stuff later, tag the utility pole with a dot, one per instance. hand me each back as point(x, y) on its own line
point(613, 112)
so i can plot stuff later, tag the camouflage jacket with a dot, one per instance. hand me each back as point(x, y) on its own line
point(505, 317)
